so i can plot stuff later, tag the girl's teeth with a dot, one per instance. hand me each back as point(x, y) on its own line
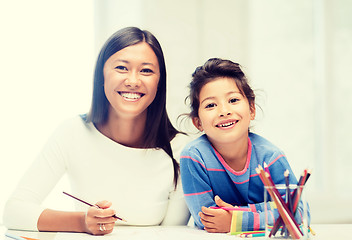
point(226, 124)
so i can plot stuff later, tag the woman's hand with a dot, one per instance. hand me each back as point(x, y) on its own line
point(216, 220)
point(99, 220)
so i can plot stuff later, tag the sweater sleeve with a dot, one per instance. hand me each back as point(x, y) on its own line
point(177, 211)
point(196, 184)
point(23, 208)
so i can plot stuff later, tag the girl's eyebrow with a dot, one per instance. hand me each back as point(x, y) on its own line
point(208, 98)
point(211, 97)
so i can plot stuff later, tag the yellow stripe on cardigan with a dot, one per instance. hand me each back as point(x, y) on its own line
point(236, 222)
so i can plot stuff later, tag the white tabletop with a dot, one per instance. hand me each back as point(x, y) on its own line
point(323, 232)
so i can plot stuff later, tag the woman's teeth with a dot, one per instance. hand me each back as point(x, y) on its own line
point(131, 95)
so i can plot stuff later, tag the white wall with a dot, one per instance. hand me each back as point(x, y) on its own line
point(47, 60)
point(297, 55)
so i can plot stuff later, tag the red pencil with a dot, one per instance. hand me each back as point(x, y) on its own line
point(233, 209)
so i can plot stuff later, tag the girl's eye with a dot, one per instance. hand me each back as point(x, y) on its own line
point(210, 105)
point(233, 100)
point(122, 68)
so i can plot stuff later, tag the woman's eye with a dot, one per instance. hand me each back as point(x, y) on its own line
point(122, 68)
point(146, 70)
point(210, 105)
point(233, 100)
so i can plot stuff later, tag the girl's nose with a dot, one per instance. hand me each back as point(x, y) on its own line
point(224, 111)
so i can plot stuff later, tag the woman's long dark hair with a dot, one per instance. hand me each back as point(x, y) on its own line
point(158, 131)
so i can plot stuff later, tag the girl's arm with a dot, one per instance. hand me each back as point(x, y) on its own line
point(196, 185)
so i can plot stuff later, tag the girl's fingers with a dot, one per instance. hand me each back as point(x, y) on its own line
point(210, 230)
point(206, 219)
point(220, 202)
point(210, 211)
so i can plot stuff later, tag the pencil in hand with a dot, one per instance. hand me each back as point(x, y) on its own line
point(91, 205)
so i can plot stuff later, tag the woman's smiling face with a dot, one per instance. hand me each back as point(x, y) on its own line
point(224, 113)
point(131, 78)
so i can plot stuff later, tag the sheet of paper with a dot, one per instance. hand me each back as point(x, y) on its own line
point(149, 233)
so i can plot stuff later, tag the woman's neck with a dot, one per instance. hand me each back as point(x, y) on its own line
point(126, 131)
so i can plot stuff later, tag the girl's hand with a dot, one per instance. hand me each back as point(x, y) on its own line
point(99, 220)
point(216, 220)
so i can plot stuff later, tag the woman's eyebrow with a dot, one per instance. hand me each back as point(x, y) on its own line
point(121, 60)
point(148, 63)
point(127, 62)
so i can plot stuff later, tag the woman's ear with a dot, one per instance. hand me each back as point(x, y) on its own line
point(197, 123)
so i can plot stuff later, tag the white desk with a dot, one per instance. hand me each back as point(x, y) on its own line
point(323, 232)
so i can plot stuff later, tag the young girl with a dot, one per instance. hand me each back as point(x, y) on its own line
point(218, 168)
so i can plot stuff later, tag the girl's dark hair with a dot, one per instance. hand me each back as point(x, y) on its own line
point(212, 69)
point(158, 130)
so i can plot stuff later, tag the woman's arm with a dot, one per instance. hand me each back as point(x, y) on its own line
point(177, 210)
point(23, 208)
point(52, 220)
point(97, 221)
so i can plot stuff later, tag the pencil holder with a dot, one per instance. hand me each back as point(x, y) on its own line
point(286, 212)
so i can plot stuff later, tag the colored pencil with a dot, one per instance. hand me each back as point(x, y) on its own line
point(252, 235)
point(294, 199)
point(247, 232)
point(27, 238)
point(91, 205)
point(9, 235)
point(233, 209)
point(288, 198)
point(289, 218)
point(284, 212)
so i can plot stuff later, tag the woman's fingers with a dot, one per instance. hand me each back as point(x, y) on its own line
point(99, 218)
point(103, 204)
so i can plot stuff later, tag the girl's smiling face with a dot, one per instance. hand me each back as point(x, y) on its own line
point(131, 78)
point(224, 113)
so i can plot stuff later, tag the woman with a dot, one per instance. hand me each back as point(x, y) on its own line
point(123, 150)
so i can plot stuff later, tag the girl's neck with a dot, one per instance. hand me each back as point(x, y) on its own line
point(234, 154)
point(126, 131)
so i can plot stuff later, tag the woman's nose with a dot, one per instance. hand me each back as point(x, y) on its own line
point(132, 81)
